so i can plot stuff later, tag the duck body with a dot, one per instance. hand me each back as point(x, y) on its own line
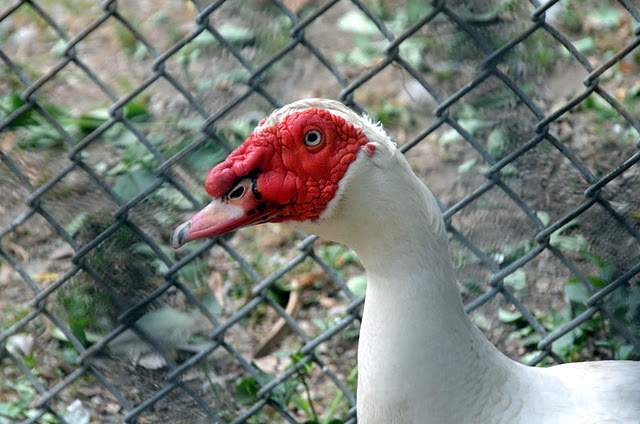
point(420, 358)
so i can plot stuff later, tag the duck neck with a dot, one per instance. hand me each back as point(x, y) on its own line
point(413, 309)
point(416, 343)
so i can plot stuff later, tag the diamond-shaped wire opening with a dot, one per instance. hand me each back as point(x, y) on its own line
point(30, 371)
point(32, 41)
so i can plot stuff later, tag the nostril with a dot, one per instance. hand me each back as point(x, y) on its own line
point(236, 193)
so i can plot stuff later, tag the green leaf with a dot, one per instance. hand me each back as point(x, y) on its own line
point(509, 171)
point(237, 35)
point(58, 48)
point(566, 244)
point(140, 52)
point(205, 157)
point(565, 343)
point(77, 329)
point(449, 137)
point(137, 111)
point(576, 292)
point(356, 22)
point(517, 280)
point(597, 260)
point(467, 166)
point(474, 286)
point(358, 285)
point(576, 243)
point(532, 340)
point(48, 418)
point(365, 53)
point(128, 185)
point(474, 125)
point(597, 281)
point(41, 136)
point(513, 252)
point(122, 138)
point(544, 217)
point(204, 38)
point(608, 18)
point(10, 410)
point(481, 320)
point(76, 223)
point(412, 50)
point(70, 355)
point(9, 104)
point(497, 143)
point(509, 317)
point(283, 393)
point(471, 124)
point(91, 120)
point(602, 108)
point(57, 334)
point(624, 351)
point(528, 357)
point(333, 421)
point(584, 46)
point(246, 391)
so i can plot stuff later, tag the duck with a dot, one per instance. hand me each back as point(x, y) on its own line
point(324, 169)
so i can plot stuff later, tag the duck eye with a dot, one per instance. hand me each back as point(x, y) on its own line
point(313, 138)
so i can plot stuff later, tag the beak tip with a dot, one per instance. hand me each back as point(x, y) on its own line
point(178, 238)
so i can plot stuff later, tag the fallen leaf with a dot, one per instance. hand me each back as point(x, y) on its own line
point(297, 5)
point(621, 93)
point(16, 250)
point(216, 284)
point(627, 67)
point(20, 344)
point(7, 141)
point(281, 328)
point(306, 280)
point(327, 302)
point(47, 277)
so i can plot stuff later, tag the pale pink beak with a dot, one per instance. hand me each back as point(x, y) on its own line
point(240, 208)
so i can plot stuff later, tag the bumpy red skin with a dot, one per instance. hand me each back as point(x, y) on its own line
point(295, 180)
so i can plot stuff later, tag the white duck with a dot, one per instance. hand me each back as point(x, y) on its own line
point(326, 170)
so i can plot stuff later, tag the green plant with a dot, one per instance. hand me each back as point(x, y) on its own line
point(33, 130)
point(623, 303)
point(295, 391)
point(17, 408)
point(123, 265)
point(338, 256)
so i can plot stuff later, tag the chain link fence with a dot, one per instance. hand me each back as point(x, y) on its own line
point(522, 116)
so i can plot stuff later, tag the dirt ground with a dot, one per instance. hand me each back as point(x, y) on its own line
point(545, 179)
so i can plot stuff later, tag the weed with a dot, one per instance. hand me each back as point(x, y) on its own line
point(623, 303)
point(18, 407)
point(338, 256)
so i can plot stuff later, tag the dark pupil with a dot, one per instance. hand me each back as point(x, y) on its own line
point(312, 137)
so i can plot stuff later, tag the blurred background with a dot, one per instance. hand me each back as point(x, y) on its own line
point(521, 116)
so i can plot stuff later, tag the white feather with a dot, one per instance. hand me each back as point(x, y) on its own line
point(420, 358)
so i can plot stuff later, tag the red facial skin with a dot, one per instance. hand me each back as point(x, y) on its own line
point(283, 177)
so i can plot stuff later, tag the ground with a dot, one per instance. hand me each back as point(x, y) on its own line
point(544, 178)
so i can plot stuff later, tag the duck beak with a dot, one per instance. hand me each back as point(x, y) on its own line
point(239, 208)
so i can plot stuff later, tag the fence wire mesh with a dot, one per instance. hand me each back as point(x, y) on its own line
point(522, 117)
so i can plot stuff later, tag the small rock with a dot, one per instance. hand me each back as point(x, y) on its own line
point(24, 38)
point(76, 413)
point(112, 408)
point(20, 344)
